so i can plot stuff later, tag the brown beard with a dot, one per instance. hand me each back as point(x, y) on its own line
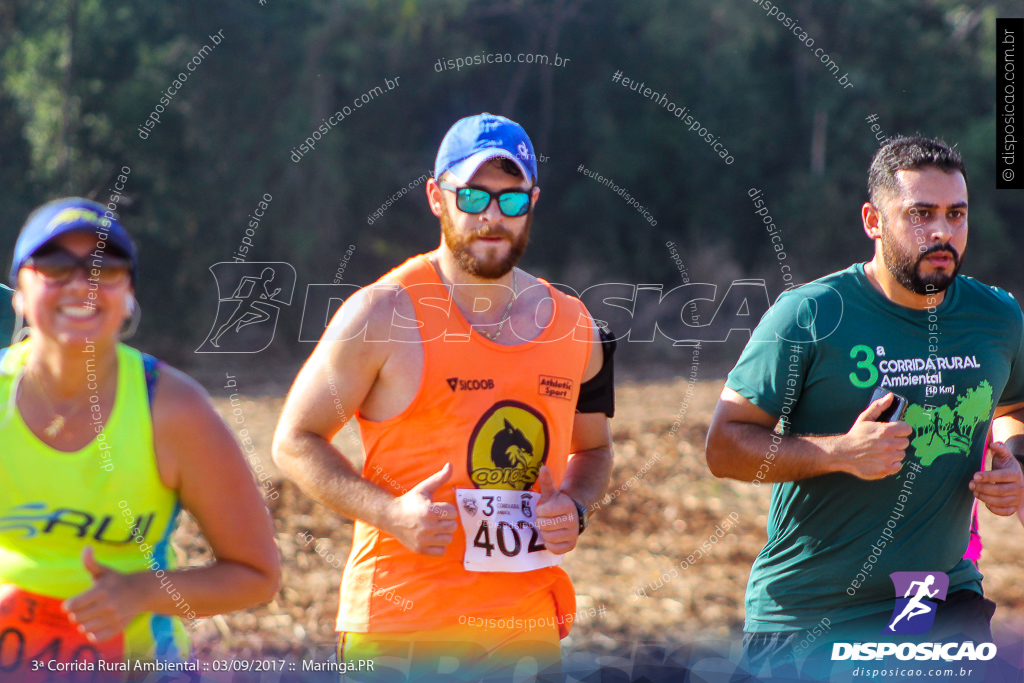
point(458, 244)
point(906, 270)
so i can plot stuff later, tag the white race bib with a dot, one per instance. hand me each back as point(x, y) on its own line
point(501, 531)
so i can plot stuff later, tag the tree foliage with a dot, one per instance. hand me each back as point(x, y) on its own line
point(80, 76)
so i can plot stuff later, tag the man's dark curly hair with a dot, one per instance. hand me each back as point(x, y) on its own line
point(907, 154)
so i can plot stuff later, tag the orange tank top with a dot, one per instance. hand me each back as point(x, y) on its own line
point(496, 413)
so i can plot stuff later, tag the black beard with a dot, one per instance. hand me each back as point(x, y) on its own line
point(906, 270)
point(459, 246)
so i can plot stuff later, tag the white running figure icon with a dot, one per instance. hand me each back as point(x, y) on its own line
point(250, 308)
point(914, 607)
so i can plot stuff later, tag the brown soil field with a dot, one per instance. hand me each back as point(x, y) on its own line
point(653, 523)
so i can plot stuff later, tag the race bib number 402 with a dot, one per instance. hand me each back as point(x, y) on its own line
point(35, 631)
point(501, 531)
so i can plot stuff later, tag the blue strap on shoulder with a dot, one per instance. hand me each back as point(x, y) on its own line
point(151, 366)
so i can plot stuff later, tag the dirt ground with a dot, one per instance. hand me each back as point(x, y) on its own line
point(651, 525)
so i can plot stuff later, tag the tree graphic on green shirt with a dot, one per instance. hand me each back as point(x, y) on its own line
point(918, 418)
point(949, 430)
point(974, 407)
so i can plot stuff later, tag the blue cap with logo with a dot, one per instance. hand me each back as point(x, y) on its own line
point(475, 139)
point(70, 214)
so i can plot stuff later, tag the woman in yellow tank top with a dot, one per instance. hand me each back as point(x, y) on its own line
point(100, 447)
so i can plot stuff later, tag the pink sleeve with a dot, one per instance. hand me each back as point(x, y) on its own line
point(974, 546)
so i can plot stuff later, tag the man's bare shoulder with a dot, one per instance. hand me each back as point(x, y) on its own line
point(374, 313)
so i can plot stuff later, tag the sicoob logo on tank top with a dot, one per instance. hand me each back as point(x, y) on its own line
point(508, 446)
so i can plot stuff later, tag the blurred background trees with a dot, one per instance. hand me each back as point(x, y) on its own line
point(78, 77)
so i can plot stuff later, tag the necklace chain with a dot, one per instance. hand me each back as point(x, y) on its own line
point(508, 307)
point(504, 315)
point(59, 421)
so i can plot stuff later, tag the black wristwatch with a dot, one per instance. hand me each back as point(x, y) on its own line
point(581, 514)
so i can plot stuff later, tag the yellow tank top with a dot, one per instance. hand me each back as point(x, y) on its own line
point(107, 495)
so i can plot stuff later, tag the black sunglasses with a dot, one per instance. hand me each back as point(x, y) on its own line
point(512, 203)
point(58, 266)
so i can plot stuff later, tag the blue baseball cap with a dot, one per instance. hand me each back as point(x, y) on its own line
point(70, 214)
point(475, 139)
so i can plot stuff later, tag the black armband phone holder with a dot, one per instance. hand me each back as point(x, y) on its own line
point(597, 394)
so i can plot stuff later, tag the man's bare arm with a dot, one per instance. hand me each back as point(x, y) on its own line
point(741, 436)
point(586, 479)
point(348, 364)
point(586, 475)
point(590, 461)
point(1001, 488)
point(1008, 427)
point(310, 417)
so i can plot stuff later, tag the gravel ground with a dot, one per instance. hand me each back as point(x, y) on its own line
point(656, 519)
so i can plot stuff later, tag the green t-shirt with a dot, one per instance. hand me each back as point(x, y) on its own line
point(814, 360)
point(6, 316)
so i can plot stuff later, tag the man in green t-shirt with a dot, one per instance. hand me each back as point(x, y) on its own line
point(857, 499)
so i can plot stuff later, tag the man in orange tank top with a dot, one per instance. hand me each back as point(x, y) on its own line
point(483, 396)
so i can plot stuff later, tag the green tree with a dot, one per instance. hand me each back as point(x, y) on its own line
point(974, 407)
point(918, 418)
point(78, 77)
